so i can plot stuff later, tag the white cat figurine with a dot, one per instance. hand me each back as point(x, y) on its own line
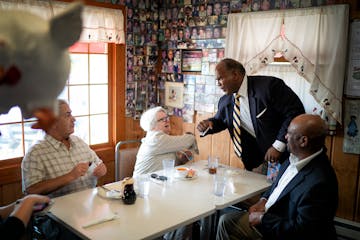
point(34, 60)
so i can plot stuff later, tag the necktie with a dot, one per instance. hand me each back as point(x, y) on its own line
point(236, 123)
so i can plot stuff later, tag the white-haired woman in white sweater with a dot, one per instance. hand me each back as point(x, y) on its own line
point(158, 144)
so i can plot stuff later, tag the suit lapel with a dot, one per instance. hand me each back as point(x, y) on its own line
point(296, 180)
point(229, 111)
point(252, 103)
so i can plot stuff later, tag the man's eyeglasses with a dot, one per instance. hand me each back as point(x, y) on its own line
point(164, 119)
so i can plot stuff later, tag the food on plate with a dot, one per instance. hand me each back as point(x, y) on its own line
point(182, 171)
point(190, 173)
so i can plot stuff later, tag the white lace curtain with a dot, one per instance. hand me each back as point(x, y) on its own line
point(313, 40)
point(99, 24)
point(296, 82)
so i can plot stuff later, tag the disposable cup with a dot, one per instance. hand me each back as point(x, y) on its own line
point(219, 185)
point(168, 167)
point(143, 185)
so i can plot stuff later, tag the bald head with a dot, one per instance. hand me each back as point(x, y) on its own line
point(310, 125)
point(306, 134)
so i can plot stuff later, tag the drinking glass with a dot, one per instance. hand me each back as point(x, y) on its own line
point(168, 167)
point(213, 163)
point(143, 185)
point(219, 185)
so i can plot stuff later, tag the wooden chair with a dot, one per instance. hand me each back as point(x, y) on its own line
point(125, 158)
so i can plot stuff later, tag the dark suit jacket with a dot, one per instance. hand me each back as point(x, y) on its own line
point(306, 208)
point(272, 106)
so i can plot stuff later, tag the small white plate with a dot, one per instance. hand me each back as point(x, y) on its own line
point(111, 194)
point(189, 178)
point(182, 175)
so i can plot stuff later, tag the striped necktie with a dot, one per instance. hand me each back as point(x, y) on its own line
point(237, 124)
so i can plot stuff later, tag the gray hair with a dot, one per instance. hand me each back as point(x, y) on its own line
point(148, 118)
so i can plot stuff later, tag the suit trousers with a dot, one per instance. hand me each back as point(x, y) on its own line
point(235, 226)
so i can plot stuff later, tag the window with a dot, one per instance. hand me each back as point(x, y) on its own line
point(87, 93)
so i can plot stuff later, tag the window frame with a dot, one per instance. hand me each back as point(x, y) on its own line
point(10, 169)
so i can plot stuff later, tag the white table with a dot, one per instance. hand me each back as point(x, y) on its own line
point(167, 207)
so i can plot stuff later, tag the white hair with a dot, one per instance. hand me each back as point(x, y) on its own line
point(148, 118)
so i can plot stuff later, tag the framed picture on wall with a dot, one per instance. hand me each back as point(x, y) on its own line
point(191, 60)
point(174, 94)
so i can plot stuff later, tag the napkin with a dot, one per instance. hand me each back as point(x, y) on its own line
point(91, 223)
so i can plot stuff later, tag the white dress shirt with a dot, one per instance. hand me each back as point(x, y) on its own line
point(293, 169)
point(245, 116)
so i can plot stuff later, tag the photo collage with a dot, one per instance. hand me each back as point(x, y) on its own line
point(183, 38)
point(181, 41)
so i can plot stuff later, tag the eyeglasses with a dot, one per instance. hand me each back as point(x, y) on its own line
point(164, 119)
point(161, 178)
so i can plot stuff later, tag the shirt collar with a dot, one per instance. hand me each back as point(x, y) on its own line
point(243, 88)
point(300, 164)
point(55, 143)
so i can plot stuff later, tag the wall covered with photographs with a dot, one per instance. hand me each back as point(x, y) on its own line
point(181, 41)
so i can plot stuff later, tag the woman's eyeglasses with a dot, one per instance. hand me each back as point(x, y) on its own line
point(161, 178)
point(164, 119)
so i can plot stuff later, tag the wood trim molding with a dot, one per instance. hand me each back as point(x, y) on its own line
point(97, 4)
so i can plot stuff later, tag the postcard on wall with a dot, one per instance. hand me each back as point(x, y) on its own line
point(189, 98)
point(189, 79)
point(191, 60)
point(352, 123)
point(353, 77)
point(188, 113)
point(174, 94)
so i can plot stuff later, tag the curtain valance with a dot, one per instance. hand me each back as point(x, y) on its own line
point(99, 24)
point(313, 40)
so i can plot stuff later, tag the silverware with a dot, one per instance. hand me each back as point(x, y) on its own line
point(187, 157)
point(108, 189)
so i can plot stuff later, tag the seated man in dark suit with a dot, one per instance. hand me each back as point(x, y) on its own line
point(302, 202)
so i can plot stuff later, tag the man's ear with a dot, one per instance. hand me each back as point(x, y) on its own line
point(304, 140)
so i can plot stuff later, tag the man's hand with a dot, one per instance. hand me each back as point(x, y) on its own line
point(272, 155)
point(204, 124)
point(259, 206)
point(79, 170)
point(100, 170)
point(255, 218)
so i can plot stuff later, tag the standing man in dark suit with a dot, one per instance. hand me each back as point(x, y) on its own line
point(302, 202)
point(267, 105)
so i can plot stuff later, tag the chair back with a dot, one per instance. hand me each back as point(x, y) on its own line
point(125, 158)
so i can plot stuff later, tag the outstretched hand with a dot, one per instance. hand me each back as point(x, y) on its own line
point(204, 124)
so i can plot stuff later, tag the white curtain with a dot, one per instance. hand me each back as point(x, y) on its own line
point(313, 40)
point(99, 24)
point(296, 82)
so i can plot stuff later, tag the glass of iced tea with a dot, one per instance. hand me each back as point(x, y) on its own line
point(213, 163)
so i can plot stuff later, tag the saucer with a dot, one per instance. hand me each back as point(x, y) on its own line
point(183, 173)
point(111, 194)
